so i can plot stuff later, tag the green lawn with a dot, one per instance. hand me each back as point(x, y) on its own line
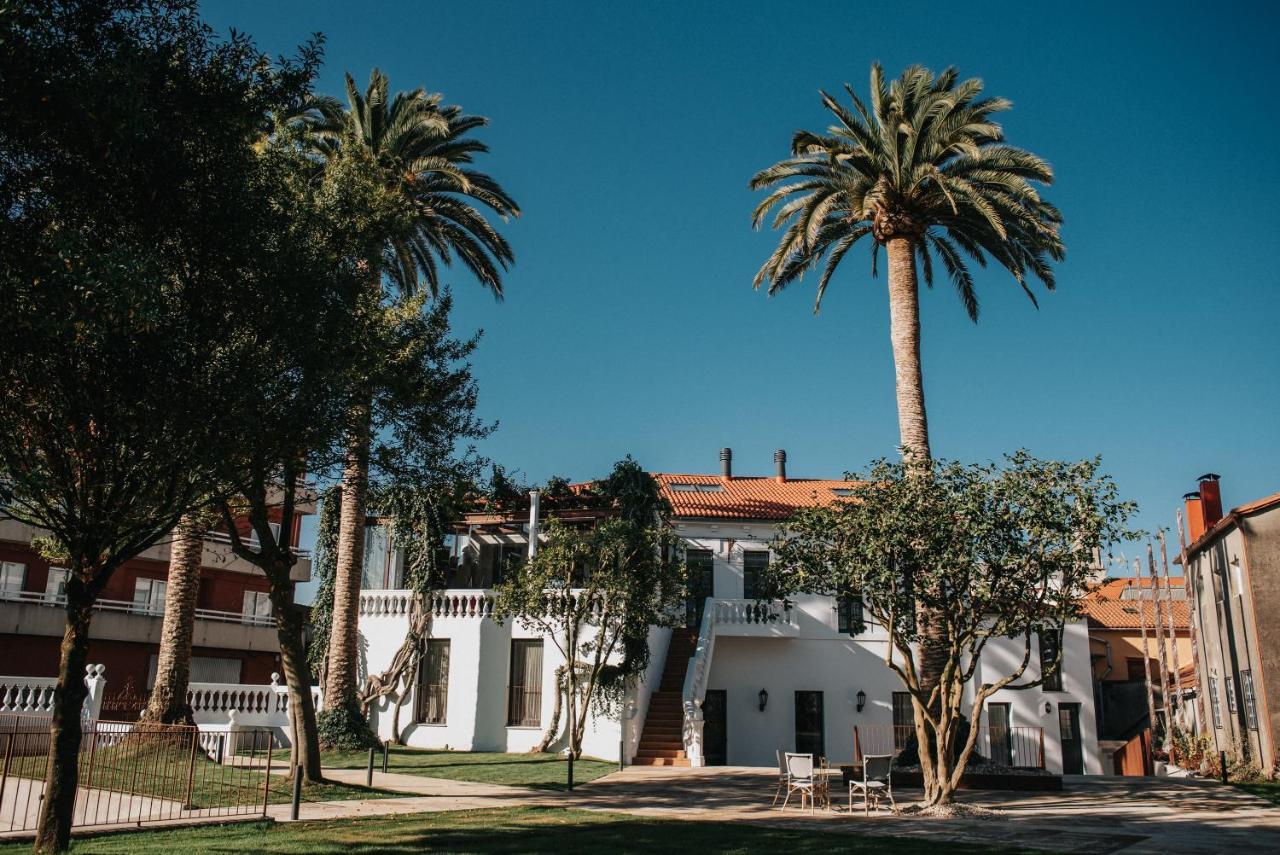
point(502, 830)
point(539, 771)
point(1269, 790)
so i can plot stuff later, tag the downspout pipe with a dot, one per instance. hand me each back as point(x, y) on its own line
point(534, 509)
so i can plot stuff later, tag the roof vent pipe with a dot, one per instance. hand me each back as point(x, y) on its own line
point(726, 463)
point(780, 465)
point(534, 508)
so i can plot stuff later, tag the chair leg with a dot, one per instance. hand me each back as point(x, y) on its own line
point(777, 794)
point(787, 800)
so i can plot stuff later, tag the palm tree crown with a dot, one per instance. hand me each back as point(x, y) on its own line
point(925, 162)
point(424, 151)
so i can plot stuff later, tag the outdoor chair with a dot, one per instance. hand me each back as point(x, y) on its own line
point(801, 779)
point(877, 778)
point(783, 777)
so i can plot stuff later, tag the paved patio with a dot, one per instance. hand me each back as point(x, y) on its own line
point(1092, 814)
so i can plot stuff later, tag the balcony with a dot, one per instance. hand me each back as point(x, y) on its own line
point(40, 614)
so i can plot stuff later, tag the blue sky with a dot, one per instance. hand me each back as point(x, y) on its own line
point(628, 132)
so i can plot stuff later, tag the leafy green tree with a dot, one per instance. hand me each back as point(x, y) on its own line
point(924, 172)
point(422, 153)
point(596, 592)
point(993, 552)
point(136, 219)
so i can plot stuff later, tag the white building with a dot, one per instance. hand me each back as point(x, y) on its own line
point(747, 678)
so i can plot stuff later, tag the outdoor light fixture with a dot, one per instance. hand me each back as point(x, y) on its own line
point(764, 699)
point(1048, 707)
point(862, 700)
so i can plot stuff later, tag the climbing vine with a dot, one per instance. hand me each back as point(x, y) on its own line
point(322, 567)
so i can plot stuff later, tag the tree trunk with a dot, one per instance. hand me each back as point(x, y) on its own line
point(904, 333)
point(293, 659)
point(168, 702)
point(344, 640)
point(53, 834)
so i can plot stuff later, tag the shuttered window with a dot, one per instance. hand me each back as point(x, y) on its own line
point(433, 682)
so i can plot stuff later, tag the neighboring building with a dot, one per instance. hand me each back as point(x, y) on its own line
point(1120, 664)
point(234, 639)
point(763, 676)
point(1232, 563)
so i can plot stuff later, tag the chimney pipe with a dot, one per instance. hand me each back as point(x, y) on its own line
point(780, 465)
point(534, 508)
point(1210, 499)
point(1194, 511)
point(726, 463)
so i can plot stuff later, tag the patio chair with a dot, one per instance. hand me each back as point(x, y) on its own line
point(783, 777)
point(801, 779)
point(877, 778)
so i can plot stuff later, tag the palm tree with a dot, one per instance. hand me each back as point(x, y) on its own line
point(167, 703)
point(926, 174)
point(421, 152)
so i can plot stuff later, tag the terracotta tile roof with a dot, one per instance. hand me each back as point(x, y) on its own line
point(1106, 610)
point(746, 498)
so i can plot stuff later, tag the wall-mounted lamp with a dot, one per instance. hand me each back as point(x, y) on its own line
point(764, 699)
point(1048, 707)
point(862, 700)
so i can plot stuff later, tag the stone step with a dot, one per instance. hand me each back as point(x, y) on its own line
point(660, 761)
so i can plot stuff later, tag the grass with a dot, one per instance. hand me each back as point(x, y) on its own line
point(1269, 790)
point(536, 771)
point(499, 830)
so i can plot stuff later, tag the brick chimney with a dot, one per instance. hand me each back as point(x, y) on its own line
point(780, 465)
point(1210, 499)
point(1193, 510)
point(726, 463)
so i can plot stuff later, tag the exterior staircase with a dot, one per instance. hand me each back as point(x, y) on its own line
point(662, 740)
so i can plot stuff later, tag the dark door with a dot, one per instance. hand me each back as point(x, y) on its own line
point(1072, 750)
point(701, 584)
point(1001, 735)
point(715, 735)
point(810, 728)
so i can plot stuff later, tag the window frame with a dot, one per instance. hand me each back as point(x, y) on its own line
point(443, 682)
point(531, 697)
point(1051, 682)
point(752, 591)
point(6, 589)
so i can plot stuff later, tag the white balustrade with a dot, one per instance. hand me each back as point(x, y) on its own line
point(462, 604)
point(751, 613)
point(385, 603)
point(219, 707)
point(34, 695)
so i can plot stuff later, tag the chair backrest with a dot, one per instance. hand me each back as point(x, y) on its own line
point(877, 767)
point(782, 762)
point(799, 766)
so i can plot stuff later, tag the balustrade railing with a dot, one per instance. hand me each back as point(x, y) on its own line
point(751, 612)
point(34, 695)
point(144, 608)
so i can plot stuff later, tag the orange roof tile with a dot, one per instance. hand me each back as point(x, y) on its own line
point(1106, 610)
point(746, 498)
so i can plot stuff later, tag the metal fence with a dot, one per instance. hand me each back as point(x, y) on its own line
point(1009, 746)
point(132, 773)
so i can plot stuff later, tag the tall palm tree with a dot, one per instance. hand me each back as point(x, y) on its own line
point(925, 173)
point(422, 152)
point(167, 703)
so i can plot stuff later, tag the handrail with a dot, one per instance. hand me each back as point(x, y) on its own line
point(695, 684)
point(143, 609)
point(252, 542)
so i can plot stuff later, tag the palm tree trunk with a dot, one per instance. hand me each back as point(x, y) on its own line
point(343, 656)
point(53, 832)
point(168, 702)
point(904, 333)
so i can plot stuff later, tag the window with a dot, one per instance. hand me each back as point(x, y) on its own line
point(755, 564)
point(697, 488)
point(257, 607)
point(1250, 705)
point(433, 681)
point(904, 720)
point(1213, 701)
point(508, 557)
point(1050, 660)
point(148, 596)
point(204, 669)
point(12, 577)
point(524, 701)
point(842, 491)
point(1231, 696)
point(849, 613)
point(55, 587)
